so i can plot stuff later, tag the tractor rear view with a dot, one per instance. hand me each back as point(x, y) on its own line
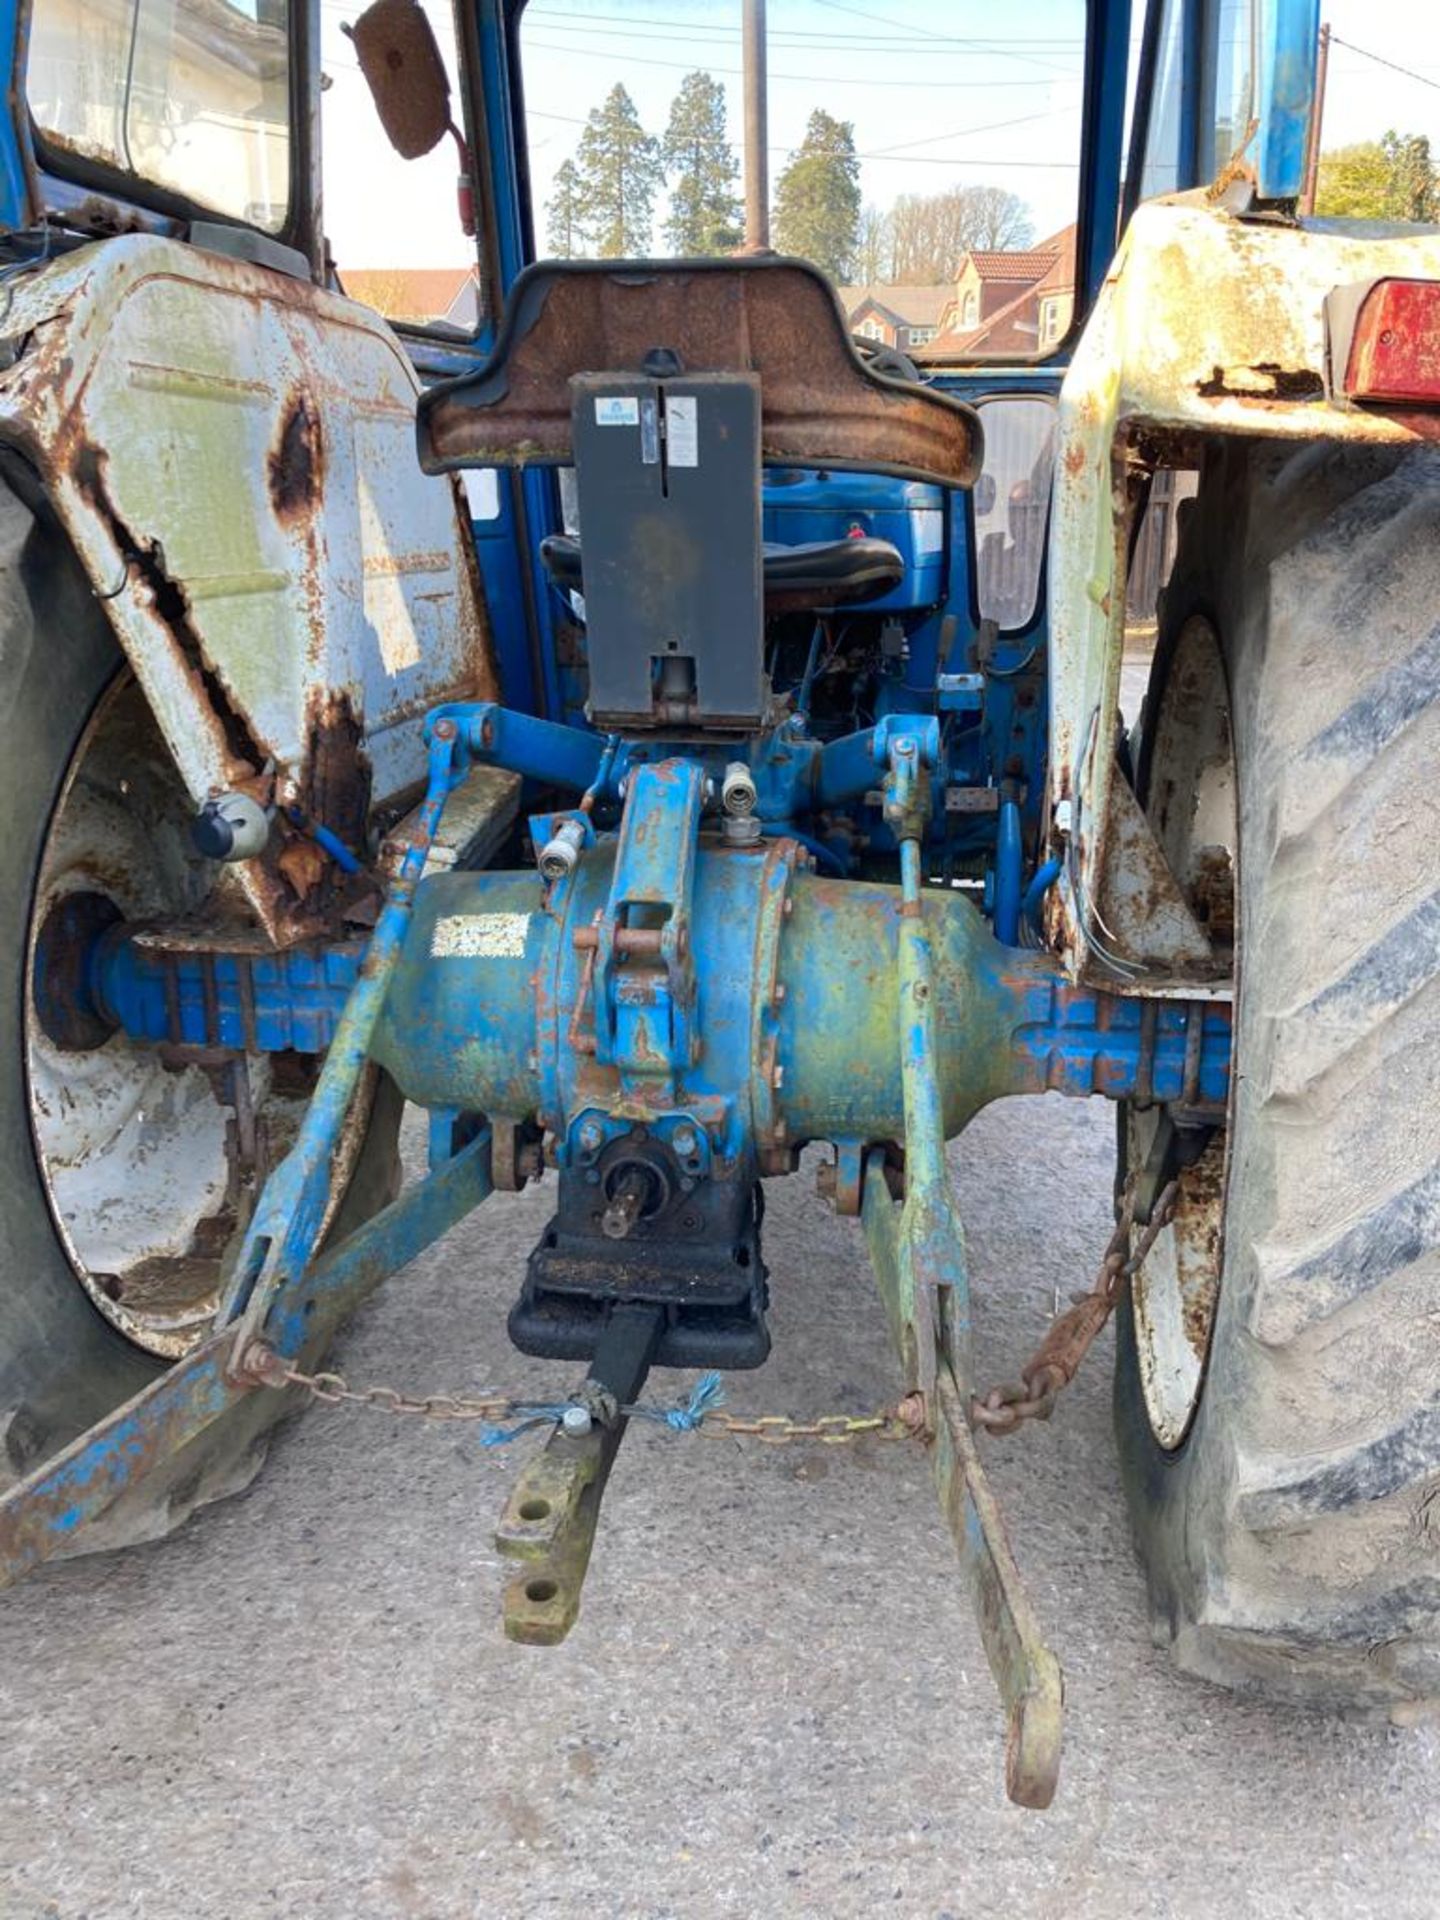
point(666, 725)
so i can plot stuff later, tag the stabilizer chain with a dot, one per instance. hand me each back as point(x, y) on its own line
point(1071, 1334)
point(1002, 1410)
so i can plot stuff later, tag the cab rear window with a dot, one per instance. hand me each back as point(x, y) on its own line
point(926, 157)
point(192, 96)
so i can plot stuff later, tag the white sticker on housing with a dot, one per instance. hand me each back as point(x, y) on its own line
point(682, 429)
point(928, 526)
point(617, 410)
point(480, 936)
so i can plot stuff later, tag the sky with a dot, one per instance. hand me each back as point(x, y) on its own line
point(941, 93)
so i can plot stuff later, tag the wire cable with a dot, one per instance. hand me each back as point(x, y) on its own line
point(1381, 61)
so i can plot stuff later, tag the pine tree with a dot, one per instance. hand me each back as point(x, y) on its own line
point(704, 211)
point(817, 201)
point(566, 230)
point(620, 173)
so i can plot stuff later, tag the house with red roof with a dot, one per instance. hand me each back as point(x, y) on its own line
point(1009, 305)
point(901, 317)
point(421, 296)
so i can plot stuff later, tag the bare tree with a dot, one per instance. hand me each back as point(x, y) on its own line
point(929, 232)
point(998, 220)
point(872, 248)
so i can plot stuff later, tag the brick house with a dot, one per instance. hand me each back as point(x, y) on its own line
point(425, 296)
point(1008, 305)
point(901, 317)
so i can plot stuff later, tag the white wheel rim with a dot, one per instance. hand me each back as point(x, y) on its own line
point(1192, 807)
point(139, 1157)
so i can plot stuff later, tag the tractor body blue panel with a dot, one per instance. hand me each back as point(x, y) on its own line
point(1107, 60)
point(14, 200)
point(501, 551)
point(1286, 90)
point(259, 1003)
point(800, 506)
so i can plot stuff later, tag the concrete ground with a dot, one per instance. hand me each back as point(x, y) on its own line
point(775, 1702)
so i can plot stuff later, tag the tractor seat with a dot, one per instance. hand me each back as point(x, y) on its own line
point(820, 573)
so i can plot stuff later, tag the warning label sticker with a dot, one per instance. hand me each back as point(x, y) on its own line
point(480, 936)
point(682, 429)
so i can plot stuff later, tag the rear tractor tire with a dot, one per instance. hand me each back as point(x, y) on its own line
point(1283, 1480)
point(126, 1175)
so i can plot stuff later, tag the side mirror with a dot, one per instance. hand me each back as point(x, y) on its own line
point(984, 495)
point(395, 46)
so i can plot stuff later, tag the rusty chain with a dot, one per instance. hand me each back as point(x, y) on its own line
point(1004, 1408)
point(771, 1429)
point(333, 1390)
point(830, 1429)
point(1071, 1334)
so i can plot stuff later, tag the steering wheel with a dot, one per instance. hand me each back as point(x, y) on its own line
point(883, 359)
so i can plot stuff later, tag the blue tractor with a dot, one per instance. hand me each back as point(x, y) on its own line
point(678, 746)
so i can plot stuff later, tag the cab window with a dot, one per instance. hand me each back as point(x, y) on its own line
point(192, 96)
point(926, 158)
point(394, 226)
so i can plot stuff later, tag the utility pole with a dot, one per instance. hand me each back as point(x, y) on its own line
point(1317, 120)
point(757, 157)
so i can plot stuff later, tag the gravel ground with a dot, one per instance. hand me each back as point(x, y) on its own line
point(775, 1702)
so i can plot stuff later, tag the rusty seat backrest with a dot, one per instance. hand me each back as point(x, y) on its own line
point(776, 319)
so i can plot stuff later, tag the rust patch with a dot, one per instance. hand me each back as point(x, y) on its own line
point(1238, 169)
point(171, 607)
point(295, 467)
point(302, 864)
point(337, 768)
point(1213, 891)
point(246, 760)
point(1197, 1233)
point(98, 214)
point(1263, 381)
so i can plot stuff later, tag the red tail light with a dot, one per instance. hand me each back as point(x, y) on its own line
point(1385, 342)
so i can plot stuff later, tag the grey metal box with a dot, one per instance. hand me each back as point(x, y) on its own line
point(668, 472)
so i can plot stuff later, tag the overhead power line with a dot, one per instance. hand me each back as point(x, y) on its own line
point(967, 133)
point(890, 159)
point(728, 43)
point(536, 12)
point(808, 79)
point(1001, 46)
point(802, 40)
point(1381, 61)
